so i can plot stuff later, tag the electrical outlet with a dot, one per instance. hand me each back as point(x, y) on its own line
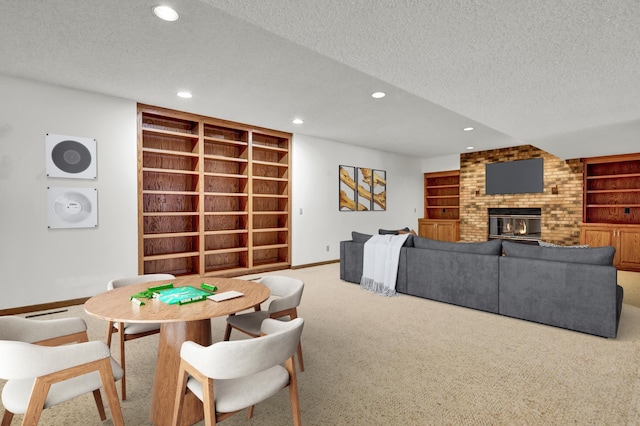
point(627, 210)
point(300, 210)
point(327, 248)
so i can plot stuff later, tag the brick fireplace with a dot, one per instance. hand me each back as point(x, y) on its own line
point(560, 203)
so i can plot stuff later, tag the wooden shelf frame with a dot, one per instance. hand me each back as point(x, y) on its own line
point(203, 185)
point(611, 192)
point(442, 195)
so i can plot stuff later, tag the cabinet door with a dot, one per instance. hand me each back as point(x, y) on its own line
point(428, 230)
point(447, 232)
point(597, 237)
point(628, 249)
point(600, 236)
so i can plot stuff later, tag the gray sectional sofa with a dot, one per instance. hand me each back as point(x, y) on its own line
point(572, 288)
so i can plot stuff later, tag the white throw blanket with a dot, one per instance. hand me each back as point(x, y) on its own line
point(380, 263)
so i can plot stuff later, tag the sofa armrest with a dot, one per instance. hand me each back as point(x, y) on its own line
point(351, 255)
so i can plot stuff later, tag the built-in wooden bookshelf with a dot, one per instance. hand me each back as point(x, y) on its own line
point(441, 206)
point(214, 196)
point(442, 195)
point(611, 207)
point(270, 198)
point(612, 189)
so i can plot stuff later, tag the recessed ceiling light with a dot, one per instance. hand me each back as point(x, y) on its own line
point(470, 147)
point(378, 95)
point(297, 121)
point(468, 129)
point(165, 13)
point(186, 95)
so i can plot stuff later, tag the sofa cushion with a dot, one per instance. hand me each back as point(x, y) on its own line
point(358, 237)
point(592, 255)
point(485, 247)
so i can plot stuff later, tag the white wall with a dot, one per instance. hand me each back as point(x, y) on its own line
point(441, 164)
point(39, 265)
point(315, 191)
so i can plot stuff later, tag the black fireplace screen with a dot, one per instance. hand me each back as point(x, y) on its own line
point(515, 223)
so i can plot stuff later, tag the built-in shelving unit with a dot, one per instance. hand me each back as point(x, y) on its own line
point(442, 195)
point(611, 207)
point(612, 189)
point(271, 206)
point(441, 206)
point(214, 196)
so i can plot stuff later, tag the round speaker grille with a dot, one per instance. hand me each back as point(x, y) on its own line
point(71, 156)
point(72, 207)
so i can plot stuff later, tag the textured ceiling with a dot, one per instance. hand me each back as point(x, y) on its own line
point(560, 75)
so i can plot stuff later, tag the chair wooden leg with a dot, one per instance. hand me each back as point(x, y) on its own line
point(227, 332)
point(36, 402)
point(6, 418)
point(250, 412)
point(109, 385)
point(293, 314)
point(123, 382)
point(109, 333)
point(99, 404)
point(208, 402)
point(300, 361)
point(181, 390)
point(293, 392)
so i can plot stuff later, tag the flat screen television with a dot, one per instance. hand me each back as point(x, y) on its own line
point(514, 177)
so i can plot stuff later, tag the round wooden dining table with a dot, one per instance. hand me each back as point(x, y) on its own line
point(178, 323)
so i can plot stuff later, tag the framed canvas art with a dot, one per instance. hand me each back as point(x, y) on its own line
point(379, 190)
point(362, 189)
point(347, 195)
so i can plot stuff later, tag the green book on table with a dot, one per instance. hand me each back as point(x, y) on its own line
point(181, 295)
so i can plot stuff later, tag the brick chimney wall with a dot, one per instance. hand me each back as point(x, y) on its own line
point(561, 212)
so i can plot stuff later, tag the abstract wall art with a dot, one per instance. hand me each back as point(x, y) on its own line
point(362, 189)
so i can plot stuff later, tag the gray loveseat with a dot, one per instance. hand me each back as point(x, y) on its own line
point(564, 287)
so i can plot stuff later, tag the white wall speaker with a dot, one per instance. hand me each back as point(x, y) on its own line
point(72, 207)
point(70, 157)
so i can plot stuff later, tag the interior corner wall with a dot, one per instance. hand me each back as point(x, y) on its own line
point(316, 219)
point(41, 265)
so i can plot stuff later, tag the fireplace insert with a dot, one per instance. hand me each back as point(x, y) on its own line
point(522, 224)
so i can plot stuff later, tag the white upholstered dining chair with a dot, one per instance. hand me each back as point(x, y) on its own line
point(129, 331)
point(231, 376)
point(287, 294)
point(47, 362)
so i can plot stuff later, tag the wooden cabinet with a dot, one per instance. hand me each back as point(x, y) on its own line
point(443, 230)
point(441, 206)
point(214, 196)
point(625, 239)
point(611, 207)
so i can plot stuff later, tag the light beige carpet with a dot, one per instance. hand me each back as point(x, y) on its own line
point(372, 360)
